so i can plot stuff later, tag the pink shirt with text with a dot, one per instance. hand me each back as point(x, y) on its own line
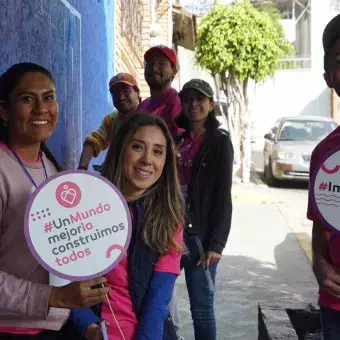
point(188, 151)
point(330, 142)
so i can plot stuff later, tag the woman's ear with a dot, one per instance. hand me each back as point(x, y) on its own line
point(3, 110)
point(212, 104)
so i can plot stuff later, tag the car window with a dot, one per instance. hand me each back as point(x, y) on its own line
point(305, 130)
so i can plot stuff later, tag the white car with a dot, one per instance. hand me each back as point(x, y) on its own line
point(289, 145)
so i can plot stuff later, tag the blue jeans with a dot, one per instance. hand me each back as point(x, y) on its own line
point(330, 319)
point(173, 309)
point(200, 295)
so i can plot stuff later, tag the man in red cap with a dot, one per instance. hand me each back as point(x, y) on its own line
point(126, 97)
point(161, 66)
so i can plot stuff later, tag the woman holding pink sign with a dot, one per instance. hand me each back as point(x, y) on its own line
point(141, 163)
point(29, 307)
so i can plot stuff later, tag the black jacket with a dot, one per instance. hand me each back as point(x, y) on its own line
point(209, 204)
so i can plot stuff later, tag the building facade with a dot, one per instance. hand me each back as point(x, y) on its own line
point(140, 24)
point(304, 23)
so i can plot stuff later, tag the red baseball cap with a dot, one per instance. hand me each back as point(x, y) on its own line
point(168, 52)
point(123, 78)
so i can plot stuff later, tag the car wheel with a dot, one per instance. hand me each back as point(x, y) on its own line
point(268, 175)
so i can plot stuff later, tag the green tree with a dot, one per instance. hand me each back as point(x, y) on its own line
point(237, 43)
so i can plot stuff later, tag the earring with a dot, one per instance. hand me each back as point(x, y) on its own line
point(5, 123)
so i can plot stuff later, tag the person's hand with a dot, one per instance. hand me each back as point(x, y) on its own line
point(94, 331)
point(77, 295)
point(210, 258)
point(328, 277)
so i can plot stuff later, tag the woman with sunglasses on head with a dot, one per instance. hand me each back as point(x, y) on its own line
point(206, 162)
point(29, 307)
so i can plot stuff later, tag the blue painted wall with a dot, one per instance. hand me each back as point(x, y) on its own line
point(74, 39)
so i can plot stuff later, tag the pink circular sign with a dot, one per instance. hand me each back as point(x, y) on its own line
point(77, 225)
point(325, 189)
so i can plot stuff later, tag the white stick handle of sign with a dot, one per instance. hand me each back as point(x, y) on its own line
point(114, 316)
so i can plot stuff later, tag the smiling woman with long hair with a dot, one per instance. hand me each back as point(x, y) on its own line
point(161, 190)
point(141, 163)
point(29, 307)
point(206, 168)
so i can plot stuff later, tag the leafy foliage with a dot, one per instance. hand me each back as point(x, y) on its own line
point(241, 40)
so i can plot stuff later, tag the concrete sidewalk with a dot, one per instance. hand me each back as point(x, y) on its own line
point(252, 193)
point(262, 262)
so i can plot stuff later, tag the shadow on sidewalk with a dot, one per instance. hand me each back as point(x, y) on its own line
point(243, 282)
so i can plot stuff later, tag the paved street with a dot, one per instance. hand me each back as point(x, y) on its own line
point(263, 260)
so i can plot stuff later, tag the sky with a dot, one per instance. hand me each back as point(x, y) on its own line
point(200, 5)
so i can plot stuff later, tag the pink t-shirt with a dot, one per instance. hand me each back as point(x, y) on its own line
point(120, 296)
point(188, 150)
point(325, 146)
point(167, 106)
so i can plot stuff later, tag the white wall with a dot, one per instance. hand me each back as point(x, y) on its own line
point(189, 70)
point(289, 93)
point(303, 36)
point(289, 29)
point(321, 15)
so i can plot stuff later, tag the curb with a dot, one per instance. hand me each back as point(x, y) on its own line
point(303, 238)
point(294, 321)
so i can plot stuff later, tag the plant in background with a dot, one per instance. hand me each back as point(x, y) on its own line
point(238, 43)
